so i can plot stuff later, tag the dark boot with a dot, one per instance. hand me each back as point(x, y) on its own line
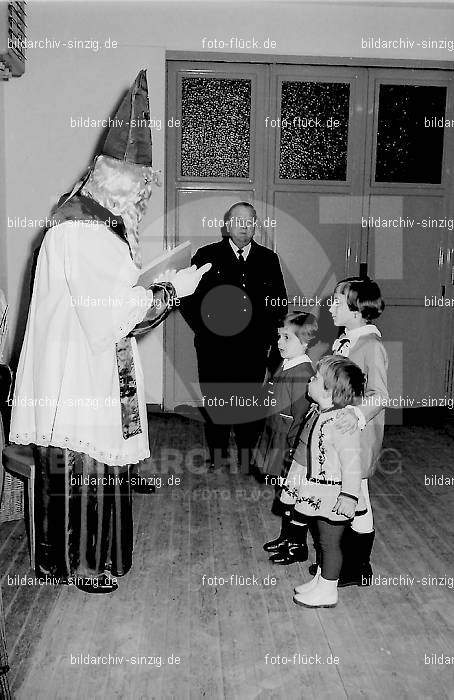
point(282, 539)
point(356, 548)
point(295, 549)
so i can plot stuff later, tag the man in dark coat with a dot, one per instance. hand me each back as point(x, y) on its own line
point(234, 315)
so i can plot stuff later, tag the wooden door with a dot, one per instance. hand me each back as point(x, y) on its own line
point(406, 237)
point(316, 180)
point(326, 154)
point(215, 159)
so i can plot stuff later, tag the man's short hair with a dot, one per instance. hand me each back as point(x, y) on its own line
point(228, 213)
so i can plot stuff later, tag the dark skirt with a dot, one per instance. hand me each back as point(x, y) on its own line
point(83, 515)
point(272, 450)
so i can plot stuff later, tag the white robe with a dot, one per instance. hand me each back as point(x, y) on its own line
point(67, 388)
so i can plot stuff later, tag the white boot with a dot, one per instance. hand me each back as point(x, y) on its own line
point(305, 587)
point(323, 595)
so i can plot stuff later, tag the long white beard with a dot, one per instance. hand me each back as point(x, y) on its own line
point(131, 219)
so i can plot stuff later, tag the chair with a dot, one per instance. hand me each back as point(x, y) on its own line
point(17, 459)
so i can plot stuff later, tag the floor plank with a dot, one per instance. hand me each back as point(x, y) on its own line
point(227, 635)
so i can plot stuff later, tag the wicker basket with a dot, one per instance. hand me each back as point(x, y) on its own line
point(12, 505)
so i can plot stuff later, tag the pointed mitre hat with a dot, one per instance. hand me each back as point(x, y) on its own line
point(129, 137)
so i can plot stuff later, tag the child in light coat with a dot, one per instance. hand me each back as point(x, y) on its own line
point(324, 481)
point(357, 303)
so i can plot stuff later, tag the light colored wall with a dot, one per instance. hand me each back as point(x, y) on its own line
point(3, 269)
point(3, 251)
point(44, 155)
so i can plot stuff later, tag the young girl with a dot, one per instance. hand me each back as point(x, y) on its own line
point(288, 389)
point(324, 481)
point(357, 303)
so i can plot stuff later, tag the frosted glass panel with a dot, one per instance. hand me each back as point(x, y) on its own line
point(314, 131)
point(409, 144)
point(215, 136)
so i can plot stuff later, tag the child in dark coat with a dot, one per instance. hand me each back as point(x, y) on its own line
point(288, 388)
point(287, 393)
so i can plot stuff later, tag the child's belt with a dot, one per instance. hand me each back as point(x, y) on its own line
point(324, 481)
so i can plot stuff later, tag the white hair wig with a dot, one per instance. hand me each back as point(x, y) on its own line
point(124, 189)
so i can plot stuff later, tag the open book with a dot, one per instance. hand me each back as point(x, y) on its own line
point(175, 259)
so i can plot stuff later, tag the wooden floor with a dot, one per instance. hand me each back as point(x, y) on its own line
point(228, 636)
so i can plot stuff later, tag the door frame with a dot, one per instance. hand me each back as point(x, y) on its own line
point(255, 182)
point(352, 61)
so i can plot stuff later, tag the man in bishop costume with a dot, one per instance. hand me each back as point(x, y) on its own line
point(79, 396)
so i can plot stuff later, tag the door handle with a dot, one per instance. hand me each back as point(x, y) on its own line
point(441, 256)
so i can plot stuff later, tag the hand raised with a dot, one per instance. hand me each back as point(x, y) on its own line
point(185, 281)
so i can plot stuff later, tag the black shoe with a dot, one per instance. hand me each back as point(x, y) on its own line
point(277, 544)
point(313, 569)
point(101, 584)
point(291, 554)
point(359, 576)
point(356, 548)
point(285, 536)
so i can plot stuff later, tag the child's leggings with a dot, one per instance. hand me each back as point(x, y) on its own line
point(329, 536)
